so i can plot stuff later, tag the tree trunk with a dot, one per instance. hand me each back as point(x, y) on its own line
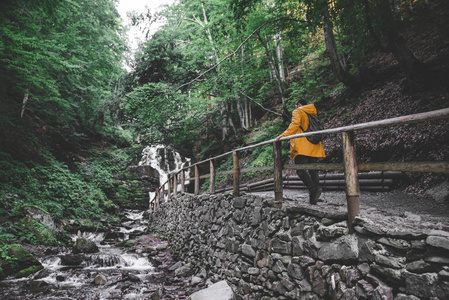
point(24, 103)
point(277, 77)
point(412, 67)
point(335, 59)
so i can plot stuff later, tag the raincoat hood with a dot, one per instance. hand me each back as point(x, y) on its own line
point(309, 109)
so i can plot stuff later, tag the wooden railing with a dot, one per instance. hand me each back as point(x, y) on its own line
point(349, 165)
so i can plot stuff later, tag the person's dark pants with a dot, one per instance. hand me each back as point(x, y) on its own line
point(310, 178)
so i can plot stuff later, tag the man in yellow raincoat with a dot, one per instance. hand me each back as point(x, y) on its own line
point(302, 151)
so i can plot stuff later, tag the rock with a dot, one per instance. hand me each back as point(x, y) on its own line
point(390, 261)
point(72, 260)
point(383, 293)
point(440, 192)
point(239, 202)
point(161, 246)
point(423, 285)
point(344, 249)
point(364, 290)
point(23, 263)
point(218, 291)
point(392, 275)
point(295, 271)
point(248, 250)
point(175, 266)
point(420, 266)
point(40, 216)
point(281, 247)
point(133, 278)
point(195, 280)
point(438, 241)
point(405, 297)
point(100, 279)
point(184, 271)
point(83, 245)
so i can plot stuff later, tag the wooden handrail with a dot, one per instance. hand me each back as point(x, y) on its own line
point(350, 165)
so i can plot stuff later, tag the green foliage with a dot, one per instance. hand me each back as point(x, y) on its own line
point(65, 194)
point(41, 234)
point(28, 271)
point(63, 56)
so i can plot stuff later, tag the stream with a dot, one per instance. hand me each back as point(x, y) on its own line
point(112, 273)
point(117, 271)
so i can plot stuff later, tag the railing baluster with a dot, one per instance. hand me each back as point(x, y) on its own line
point(197, 180)
point(183, 181)
point(169, 188)
point(351, 177)
point(162, 193)
point(175, 185)
point(235, 160)
point(212, 177)
point(277, 156)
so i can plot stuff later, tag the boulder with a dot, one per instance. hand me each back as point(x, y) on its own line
point(24, 263)
point(100, 279)
point(83, 245)
point(218, 291)
point(440, 192)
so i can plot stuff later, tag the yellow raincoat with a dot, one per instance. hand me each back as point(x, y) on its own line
point(301, 146)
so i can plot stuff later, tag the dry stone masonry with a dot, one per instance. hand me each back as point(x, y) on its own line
point(267, 249)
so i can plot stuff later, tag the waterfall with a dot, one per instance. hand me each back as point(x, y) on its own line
point(165, 160)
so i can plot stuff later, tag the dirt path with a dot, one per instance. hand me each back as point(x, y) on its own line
point(388, 204)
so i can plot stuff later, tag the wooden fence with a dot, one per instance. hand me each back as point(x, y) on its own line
point(350, 166)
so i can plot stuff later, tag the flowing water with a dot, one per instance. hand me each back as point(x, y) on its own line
point(165, 160)
point(128, 272)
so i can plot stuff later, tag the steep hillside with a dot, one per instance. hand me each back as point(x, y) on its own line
point(389, 97)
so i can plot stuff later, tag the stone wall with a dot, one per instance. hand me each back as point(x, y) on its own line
point(291, 250)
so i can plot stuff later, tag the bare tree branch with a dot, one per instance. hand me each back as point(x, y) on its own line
point(235, 51)
point(266, 109)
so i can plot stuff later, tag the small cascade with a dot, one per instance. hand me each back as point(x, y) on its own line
point(127, 270)
point(165, 160)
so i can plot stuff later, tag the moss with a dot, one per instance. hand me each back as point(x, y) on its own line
point(18, 262)
point(28, 271)
point(41, 232)
point(126, 244)
point(19, 253)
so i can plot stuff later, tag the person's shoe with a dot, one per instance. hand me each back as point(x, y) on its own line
point(315, 195)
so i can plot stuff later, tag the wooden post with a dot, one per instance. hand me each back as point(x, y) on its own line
point(197, 180)
point(175, 185)
point(212, 177)
point(351, 177)
point(162, 193)
point(235, 160)
point(169, 188)
point(277, 156)
point(183, 181)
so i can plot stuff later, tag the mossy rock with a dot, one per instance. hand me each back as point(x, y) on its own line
point(42, 233)
point(126, 244)
point(28, 271)
point(83, 245)
point(19, 263)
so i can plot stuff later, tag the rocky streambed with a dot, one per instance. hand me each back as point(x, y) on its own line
point(125, 263)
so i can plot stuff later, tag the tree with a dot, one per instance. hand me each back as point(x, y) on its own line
point(60, 59)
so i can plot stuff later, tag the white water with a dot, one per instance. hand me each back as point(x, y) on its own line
point(165, 160)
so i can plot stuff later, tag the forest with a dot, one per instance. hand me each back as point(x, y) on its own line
point(218, 75)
